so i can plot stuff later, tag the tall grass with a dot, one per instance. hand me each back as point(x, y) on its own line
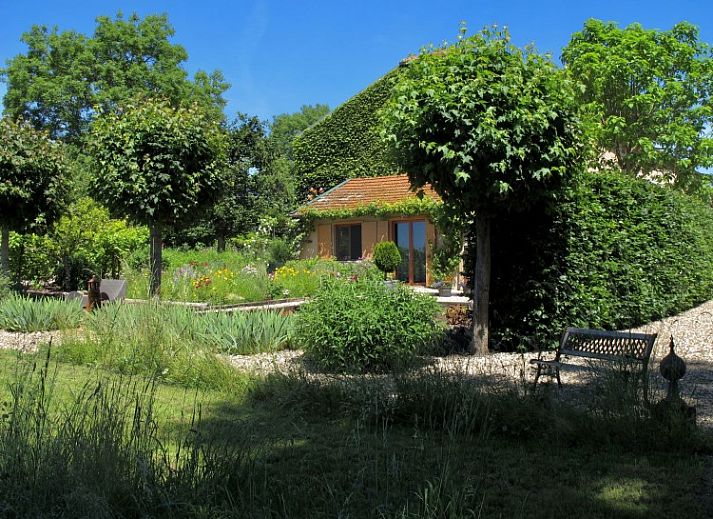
point(425, 444)
point(467, 406)
point(172, 343)
point(245, 333)
point(21, 314)
point(101, 455)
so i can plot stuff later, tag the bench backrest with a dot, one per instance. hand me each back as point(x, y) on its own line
point(601, 344)
point(114, 289)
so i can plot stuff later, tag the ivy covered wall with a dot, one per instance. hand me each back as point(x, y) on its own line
point(346, 143)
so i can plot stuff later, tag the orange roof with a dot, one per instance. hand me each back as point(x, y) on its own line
point(357, 192)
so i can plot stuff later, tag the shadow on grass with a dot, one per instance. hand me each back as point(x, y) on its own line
point(434, 445)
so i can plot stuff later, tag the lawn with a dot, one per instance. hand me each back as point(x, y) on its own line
point(293, 447)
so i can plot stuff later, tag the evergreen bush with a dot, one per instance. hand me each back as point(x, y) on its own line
point(362, 324)
point(607, 251)
point(386, 257)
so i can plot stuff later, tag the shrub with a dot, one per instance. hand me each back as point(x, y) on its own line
point(386, 257)
point(365, 325)
point(20, 314)
point(610, 252)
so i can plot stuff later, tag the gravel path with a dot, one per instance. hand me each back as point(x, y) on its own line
point(693, 336)
point(27, 342)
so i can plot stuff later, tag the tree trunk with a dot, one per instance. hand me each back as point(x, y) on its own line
point(6, 251)
point(481, 290)
point(155, 262)
point(221, 243)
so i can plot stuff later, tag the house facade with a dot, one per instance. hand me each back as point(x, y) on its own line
point(350, 219)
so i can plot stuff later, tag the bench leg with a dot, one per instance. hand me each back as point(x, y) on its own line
point(537, 375)
point(557, 374)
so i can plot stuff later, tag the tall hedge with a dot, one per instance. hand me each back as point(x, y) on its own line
point(607, 251)
point(347, 142)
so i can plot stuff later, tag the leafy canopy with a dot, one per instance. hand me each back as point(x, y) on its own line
point(64, 76)
point(649, 95)
point(157, 164)
point(32, 169)
point(484, 122)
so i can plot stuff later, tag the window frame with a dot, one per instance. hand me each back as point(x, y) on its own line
point(360, 250)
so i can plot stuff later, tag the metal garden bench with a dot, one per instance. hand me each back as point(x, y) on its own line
point(626, 349)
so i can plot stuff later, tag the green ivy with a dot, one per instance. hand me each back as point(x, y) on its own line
point(413, 206)
point(346, 143)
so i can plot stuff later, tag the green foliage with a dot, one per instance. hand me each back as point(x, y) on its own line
point(64, 76)
point(347, 142)
point(386, 256)
point(411, 206)
point(5, 287)
point(165, 342)
point(286, 127)
point(33, 257)
point(612, 253)
point(20, 314)
point(445, 260)
point(156, 164)
point(89, 242)
point(648, 93)
point(487, 124)
point(205, 276)
point(362, 324)
point(245, 333)
point(31, 178)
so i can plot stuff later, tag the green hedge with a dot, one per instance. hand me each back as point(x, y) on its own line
point(606, 252)
point(346, 143)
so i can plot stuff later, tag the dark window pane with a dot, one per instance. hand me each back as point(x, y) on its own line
point(347, 245)
point(355, 242)
point(342, 243)
point(419, 252)
point(401, 237)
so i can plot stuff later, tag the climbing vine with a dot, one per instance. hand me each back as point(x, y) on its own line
point(413, 206)
point(346, 143)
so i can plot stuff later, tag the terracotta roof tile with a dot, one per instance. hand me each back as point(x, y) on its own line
point(357, 192)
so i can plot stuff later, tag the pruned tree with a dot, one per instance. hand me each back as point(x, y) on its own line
point(649, 95)
point(32, 168)
point(158, 166)
point(490, 127)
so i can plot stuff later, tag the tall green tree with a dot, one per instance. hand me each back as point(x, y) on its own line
point(248, 156)
point(158, 166)
point(32, 168)
point(285, 127)
point(648, 93)
point(491, 127)
point(64, 76)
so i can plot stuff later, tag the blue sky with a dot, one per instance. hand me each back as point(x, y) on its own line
point(280, 55)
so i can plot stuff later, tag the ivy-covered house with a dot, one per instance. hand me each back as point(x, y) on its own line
point(349, 219)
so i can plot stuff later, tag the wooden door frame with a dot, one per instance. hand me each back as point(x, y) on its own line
point(410, 220)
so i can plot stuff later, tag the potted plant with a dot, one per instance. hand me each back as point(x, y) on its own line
point(444, 263)
point(387, 258)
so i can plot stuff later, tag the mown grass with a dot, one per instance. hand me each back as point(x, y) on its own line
point(292, 446)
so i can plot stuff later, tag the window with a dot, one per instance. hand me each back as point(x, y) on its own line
point(347, 245)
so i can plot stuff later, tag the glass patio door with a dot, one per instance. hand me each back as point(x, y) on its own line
point(410, 238)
